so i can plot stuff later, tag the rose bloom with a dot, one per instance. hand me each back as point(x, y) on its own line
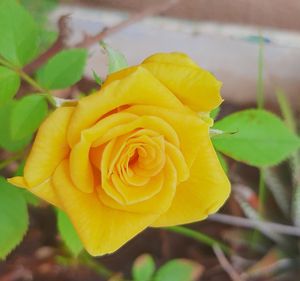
point(135, 154)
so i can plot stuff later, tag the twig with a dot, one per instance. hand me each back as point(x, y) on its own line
point(226, 264)
point(261, 225)
point(203, 238)
point(89, 39)
point(55, 48)
point(12, 158)
point(99, 268)
point(35, 85)
point(148, 12)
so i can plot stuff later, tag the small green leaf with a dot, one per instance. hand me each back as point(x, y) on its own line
point(63, 70)
point(6, 140)
point(13, 217)
point(27, 115)
point(215, 112)
point(262, 139)
point(19, 35)
point(143, 268)
point(68, 233)
point(97, 78)
point(179, 270)
point(29, 197)
point(116, 60)
point(223, 162)
point(9, 84)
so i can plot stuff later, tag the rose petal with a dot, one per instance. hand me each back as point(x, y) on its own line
point(102, 230)
point(202, 194)
point(140, 87)
point(49, 148)
point(44, 190)
point(194, 86)
point(158, 204)
point(80, 166)
point(190, 129)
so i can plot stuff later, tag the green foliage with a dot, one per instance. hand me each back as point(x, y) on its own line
point(262, 139)
point(19, 35)
point(63, 70)
point(13, 218)
point(116, 60)
point(97, 78)
point(215, 112)
point(9, 84)
point(68, 233)
point(143, 268)
point(6, 140)
point(223, 162)
point(29, 197)
point(39, 8)
point(27, 115)
point(179, 270)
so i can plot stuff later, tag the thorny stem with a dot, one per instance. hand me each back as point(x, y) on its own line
point(260, 105)
point(261, 191)
point(198, 236)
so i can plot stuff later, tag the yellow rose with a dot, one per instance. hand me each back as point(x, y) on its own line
point(133, 155)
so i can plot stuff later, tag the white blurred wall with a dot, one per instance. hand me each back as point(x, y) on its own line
point(225, 50)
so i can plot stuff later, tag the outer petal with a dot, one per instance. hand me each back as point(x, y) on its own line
point(194, 86)
point(102, 230)
point(140, 87)
point(176, 58)
point(49, 148)
point(44, 190)
point(204, 193)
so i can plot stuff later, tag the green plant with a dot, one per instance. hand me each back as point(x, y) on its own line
point(256, 137)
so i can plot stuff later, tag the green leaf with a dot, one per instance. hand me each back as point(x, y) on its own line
point(63, 70)
point(6, 140)
point(143, 268)
point(223, 162)
point(13, 218)
point(27, 115)
point(179, 270)
point(215, 112)
point(116, 60)
point(19, 35)
point(9, 84)
point(68, 233)
point(262, 139)
point(29, 197)
point(97, 78)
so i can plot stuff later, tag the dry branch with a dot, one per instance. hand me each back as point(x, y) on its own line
point(248, 223)
point(148, 12)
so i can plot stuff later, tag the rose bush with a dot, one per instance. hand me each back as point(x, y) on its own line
point(133, 155)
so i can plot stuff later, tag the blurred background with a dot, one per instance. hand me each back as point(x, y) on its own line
point(221, 35)
point(246, 44)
